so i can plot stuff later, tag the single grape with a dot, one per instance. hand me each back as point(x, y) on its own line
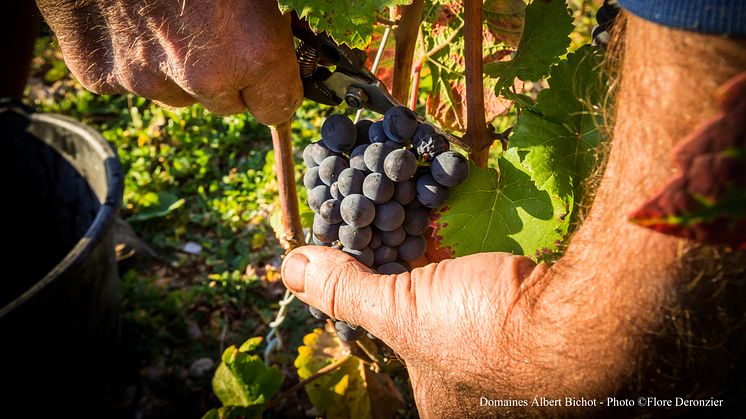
point(450, 168)
point(422, 131)
point(364, 256)
point(331, 167)
point(334, 191)
point(399, 123)
point(384, 254)
point(400, 165)
point(327, 233)
point(412, 247)
point(357, 210)
point(430, 147)
point(353, 237)
point(347, 332)
point(405, 192)
point(318, 314)
point(362, 127)
point(415, 202)
point(318, 196)
point(350, 181)
point(321, 152)
point(394, 237)
point(357, 158)
point(391, 268)
point(378, 188)
point(389, 216)
point(329, 211)
point(430, 193)
point(338, 133)
point(375, 155)
point(317, 242)
point(416, 220)
point(376, 133)
point(311, 179)
point(375, 241)
point(308, 156)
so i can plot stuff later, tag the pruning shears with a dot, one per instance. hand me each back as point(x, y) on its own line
point(349, 81)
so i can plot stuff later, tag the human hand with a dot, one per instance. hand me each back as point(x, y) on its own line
point(449, 321)
point(229, 55)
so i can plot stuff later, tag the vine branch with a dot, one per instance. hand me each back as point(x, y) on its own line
point(477, 135)
point(406, 41)
point(292, 230)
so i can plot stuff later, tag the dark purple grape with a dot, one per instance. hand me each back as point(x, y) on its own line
point(331, 167)
point(415, 202)
point(416, 220)
point(399, 123)
point(412, 248)
point(321, 152)
point(324, 231)
point(347, 332)
point(393, 238)
point(405, 192)
point(376, 133)
point(389, 216)
point(450, 168)
point(375, 155)
point(431, 193)
point(384, 254)
point(311, 179)
point(316, 313)
point(350, 181)
point(329, 211)
point(334, 190)
point(308, 156)
point(357, 210)
point(362, 127)
point(375, 241)
point(338, 133)
point(353, 237)
point(391, 268)
point(400, 165)
point(430, 147)
point(318, 196)
point(364, 256)
point(357, 158)
point(378, 188)
point(422, 131)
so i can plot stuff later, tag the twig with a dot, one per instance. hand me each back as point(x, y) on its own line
point(406, 41)
point(318, 374)
point(292, 236)
point(477, 135)
point(417, 69)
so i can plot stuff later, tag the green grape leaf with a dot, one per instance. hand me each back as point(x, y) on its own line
point(348, 22)
point(242, 378)
point(558, 136)
point(545, 37)
point(341, 393)
point(505, 213)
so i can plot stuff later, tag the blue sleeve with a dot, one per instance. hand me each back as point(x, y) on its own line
point(710, 16)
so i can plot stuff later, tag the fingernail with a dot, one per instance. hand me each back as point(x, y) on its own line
point(294, 271)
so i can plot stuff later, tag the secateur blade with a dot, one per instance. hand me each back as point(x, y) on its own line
point(350, 81)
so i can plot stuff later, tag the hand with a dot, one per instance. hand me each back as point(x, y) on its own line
point(229, 55)
point(455, 311)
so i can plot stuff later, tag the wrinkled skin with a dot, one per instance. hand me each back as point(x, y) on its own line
point(229, 55)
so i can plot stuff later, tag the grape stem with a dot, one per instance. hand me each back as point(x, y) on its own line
point(292, 230)
point(406, 41)
point(477, 135)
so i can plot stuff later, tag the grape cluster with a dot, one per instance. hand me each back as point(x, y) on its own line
point(372, 185)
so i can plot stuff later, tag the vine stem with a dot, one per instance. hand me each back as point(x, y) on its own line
point(406, 41)
point(477, 135)
point(292, 236)
point(318, 374)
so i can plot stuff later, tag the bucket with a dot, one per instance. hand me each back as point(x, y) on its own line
point(59, 287)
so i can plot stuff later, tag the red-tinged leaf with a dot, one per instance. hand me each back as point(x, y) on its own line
point(385, 71)
point(706, 201)
point(450, 109)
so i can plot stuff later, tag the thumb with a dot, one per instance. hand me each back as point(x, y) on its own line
point(346, 290)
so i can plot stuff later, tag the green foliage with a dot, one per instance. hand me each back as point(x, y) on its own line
point(242, 379)
point(545, 38)
point(349, 22)
point(501, 213)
